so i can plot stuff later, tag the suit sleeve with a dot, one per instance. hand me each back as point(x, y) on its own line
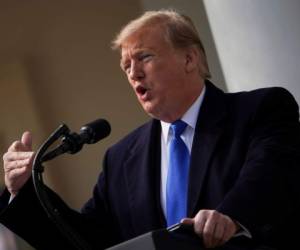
point(26, 217)
point(265, 197)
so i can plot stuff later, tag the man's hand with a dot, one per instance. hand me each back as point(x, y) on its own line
point(215, 228)
point(18, 163)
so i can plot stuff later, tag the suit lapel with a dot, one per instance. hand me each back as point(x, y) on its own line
point(208, 130)
point(142, 173)
point(142, 167)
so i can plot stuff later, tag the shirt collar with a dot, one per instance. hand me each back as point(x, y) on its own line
point(190, 116)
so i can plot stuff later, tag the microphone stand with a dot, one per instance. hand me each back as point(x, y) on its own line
point(54, 215)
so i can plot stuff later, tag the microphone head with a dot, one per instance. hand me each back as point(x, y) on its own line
point(95, 131)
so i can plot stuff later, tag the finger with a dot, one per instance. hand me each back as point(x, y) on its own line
point(24, 145)
point(208, 233)
point(16, 146)
point(27, 140)
point(218, 235)
point(15, 179)
point(13, 156)
point(187, 221)
point(16, 173)
point(229, 232)
point(224, 230)
point(199, 222)
point(16, 164)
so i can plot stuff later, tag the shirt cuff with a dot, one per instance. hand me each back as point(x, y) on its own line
point(243, 231)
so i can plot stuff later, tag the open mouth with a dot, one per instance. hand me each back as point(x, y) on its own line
point(141, 90)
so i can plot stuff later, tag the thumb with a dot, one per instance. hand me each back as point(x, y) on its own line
point(187, 221)
point(27, 140)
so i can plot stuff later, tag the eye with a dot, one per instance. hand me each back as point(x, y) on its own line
point(145, 57)
point(126, 68)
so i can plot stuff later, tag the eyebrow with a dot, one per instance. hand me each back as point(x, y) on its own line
point(134, 54)
point(122, 62)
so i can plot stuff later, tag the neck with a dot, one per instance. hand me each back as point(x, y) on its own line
point(184, 105)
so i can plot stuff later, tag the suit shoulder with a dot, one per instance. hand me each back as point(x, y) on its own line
point(273, 100)
point(134, 136)
point(262, 95)
point(263, 92)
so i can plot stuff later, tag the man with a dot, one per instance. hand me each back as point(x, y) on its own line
point(240, 150)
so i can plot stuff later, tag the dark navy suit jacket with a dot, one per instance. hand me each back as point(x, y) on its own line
point(244, 163)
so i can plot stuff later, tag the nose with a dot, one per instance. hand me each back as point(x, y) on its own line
point(136, 71)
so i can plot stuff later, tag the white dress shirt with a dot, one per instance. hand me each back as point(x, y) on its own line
point(190, 118)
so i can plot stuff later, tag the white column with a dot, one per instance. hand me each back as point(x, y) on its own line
point(258, 42)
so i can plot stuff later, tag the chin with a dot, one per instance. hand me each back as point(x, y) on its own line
point(150, 112)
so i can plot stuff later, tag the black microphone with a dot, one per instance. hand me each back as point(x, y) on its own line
point(73, 142)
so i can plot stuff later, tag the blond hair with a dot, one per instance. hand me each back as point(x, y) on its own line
point(179, 30)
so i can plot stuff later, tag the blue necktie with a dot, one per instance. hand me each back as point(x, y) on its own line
point(177, 179)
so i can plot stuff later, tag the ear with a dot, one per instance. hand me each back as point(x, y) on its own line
point(191, 59)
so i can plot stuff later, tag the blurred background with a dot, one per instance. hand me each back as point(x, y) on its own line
point(56, 66)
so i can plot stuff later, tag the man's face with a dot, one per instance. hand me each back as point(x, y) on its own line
point(156, 71)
